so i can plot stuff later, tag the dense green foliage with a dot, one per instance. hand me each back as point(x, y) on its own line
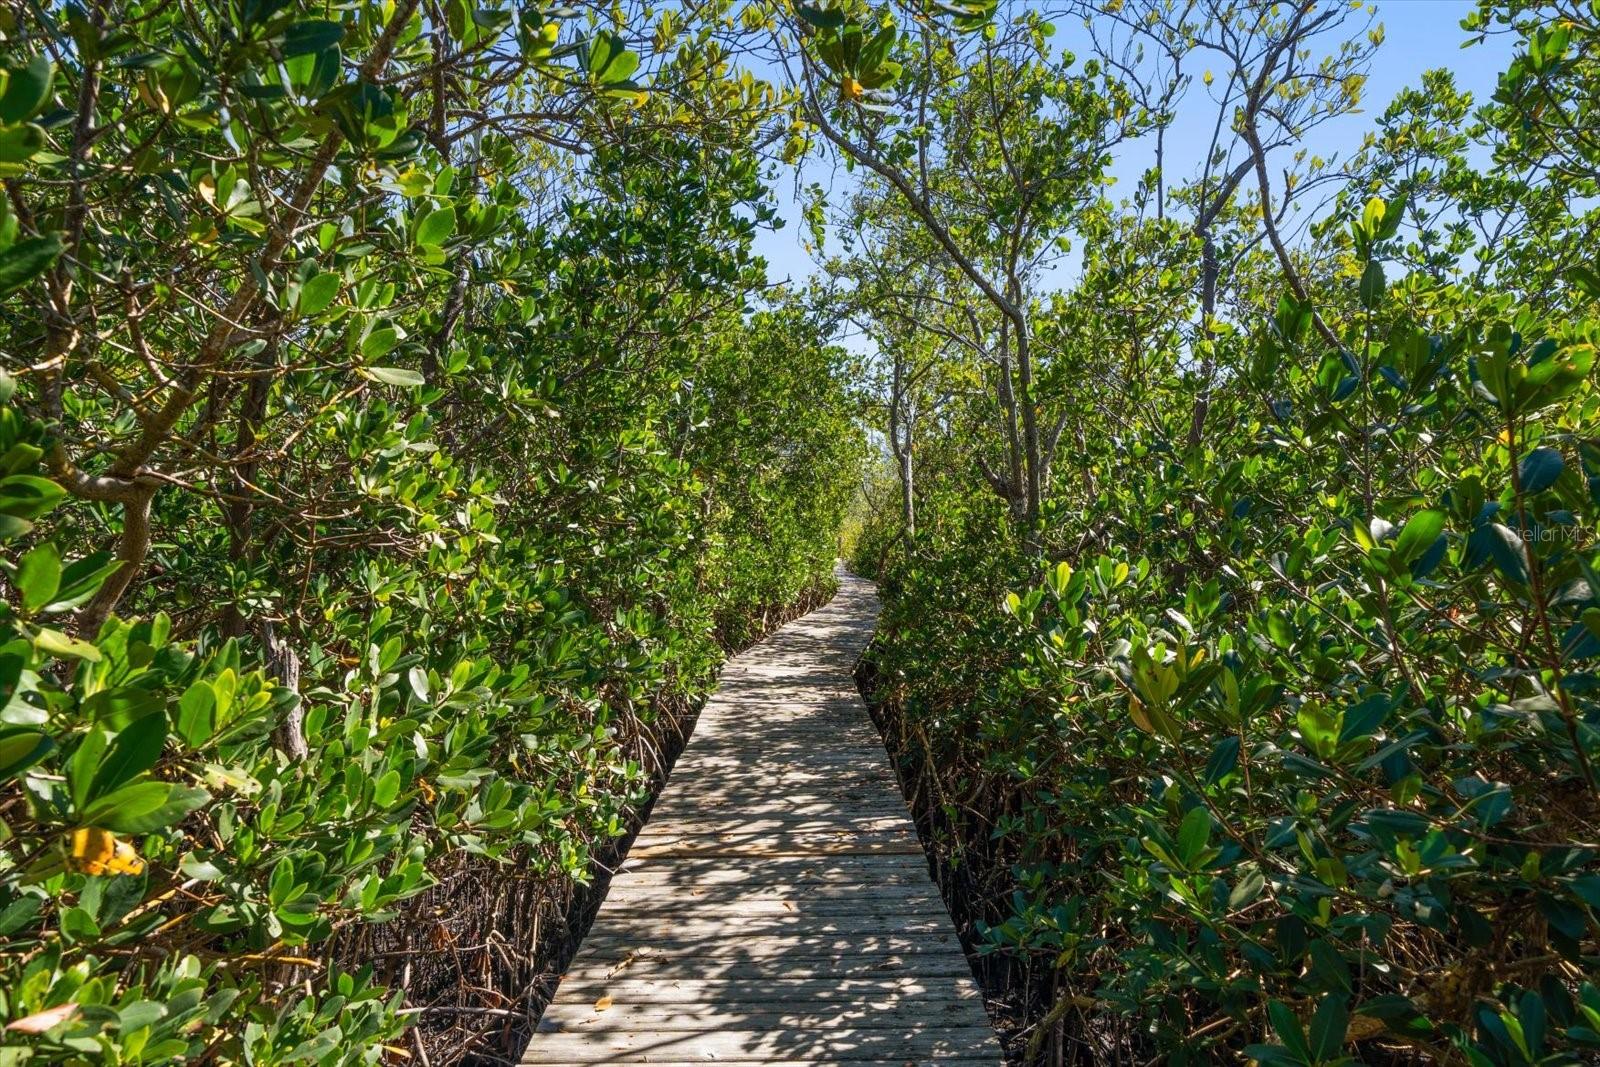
point(392, 451)
point(1276, 734)
point(398, 431)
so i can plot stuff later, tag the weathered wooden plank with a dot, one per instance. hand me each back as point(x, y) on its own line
point(653, 929)
point(799, 882)
point(757, 805)
point(777, 907)
point(818, 899)
point(831, 968)
point(712, 869)
point(618, 1017)
point(795, 776)
point(828, 814)
point(776, 848)
point(776, 821)
point(788, 991)
point(735, 845)
point(856, 900)
point(773, 944)
point(865, 880)
point(769, 796)
point(892, 1061)
point(762, 1046)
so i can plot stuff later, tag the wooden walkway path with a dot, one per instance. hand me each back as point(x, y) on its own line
point(777, 908)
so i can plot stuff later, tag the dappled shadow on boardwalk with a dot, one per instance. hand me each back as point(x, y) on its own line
point(777, 907)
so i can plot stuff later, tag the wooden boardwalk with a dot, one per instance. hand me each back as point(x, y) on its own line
point(777, 907)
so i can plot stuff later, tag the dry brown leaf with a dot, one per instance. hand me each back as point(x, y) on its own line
point(603, 1003)
point(40, 1021)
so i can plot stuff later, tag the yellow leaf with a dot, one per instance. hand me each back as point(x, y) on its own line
point(152, 95)
point(603, 1003)
point(97, 851)
point(1140, 719)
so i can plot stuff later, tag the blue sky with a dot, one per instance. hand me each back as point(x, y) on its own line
point(1419, 35)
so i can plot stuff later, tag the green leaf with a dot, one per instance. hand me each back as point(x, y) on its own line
point(622, 89)
point(386, 789)
point(408, 379)
point(829, 18)
point(1510, 555)
point(26, 260)
point(1329, 966)
point(1394, 212)
point(82, 579)
point(1328, 1027)
point(1540, 469)
point(1287, 1027)
point(317, 293)
point(18, 144)
point(38, 577)
point(436, 227)
point(1194, 834)
point(1586, 278)
point(143, 807)
point(78, 925)
point(1319, 728)
point(609, 60)
point(379, 342)
point(21, 750)
point(134, 751)
point(1398, 1014)
point(877, 49)
point(1247, 889)
point(312, 35)
point(203, 870)
point(15, 915)
point(886, 73)
point(1372, 216)
point(1418, 535)
point(120, 706)
point(1224, 758)
point(61, 646)
point(27, 90)
point(28, 496)
point(1372, 284)
point(83, 764)
point(197, 713)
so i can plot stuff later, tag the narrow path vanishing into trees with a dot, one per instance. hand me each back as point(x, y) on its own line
point(777, 907)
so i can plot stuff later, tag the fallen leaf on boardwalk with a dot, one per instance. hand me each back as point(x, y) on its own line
point(603, 1003)
point(40, 1021)
point(629, 958)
